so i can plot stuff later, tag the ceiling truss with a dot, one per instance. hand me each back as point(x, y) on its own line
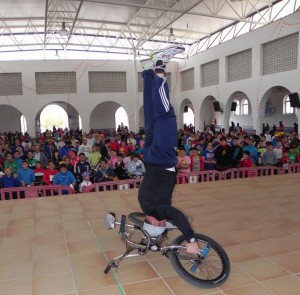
point(146, 28)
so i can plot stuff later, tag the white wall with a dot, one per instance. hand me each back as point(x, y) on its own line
point(254, 88)
point(10, 118)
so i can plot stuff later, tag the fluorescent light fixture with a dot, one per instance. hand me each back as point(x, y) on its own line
point(171, 37)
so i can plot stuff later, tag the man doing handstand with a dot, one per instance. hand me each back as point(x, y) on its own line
point(159, 152)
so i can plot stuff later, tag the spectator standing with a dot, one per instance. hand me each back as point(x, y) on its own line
point(209, 157)
point(252, 150)
point(236, 152)
point(223, 155)
point(268, 158)
point(197, 162)
point(184, 162)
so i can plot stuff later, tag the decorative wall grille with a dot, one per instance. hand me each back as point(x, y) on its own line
point(210, 73)
point(55, 82)
point(106, 82)
point(280, 55)
point(11, 84)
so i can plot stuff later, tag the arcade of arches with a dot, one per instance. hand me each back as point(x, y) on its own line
point(273, 107)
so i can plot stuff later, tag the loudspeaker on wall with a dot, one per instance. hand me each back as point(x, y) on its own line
point(233, 107)
point(294, 100)
point(186, 109)
point(217, 107)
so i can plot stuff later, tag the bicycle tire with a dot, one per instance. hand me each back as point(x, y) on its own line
point(137, 218)
point(209, 272)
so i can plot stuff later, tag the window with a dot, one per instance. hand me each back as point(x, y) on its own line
point(23, 124)
point(287, 109)
point(121, 117)
point(238, 108)
point(245, 106)
point(189, 117)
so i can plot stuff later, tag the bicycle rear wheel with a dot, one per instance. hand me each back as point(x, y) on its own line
point(206, 272)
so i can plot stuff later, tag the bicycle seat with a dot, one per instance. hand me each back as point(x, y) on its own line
point(138, 218)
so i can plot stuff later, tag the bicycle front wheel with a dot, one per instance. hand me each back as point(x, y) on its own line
point(207, 271)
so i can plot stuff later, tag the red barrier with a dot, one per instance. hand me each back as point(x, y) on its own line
point(291, 168)
point(235, 173)
point(34, 191)
point(113, 185)
point(203, 176)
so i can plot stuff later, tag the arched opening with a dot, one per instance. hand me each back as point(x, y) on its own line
point(60, 114)
point(208, 116)
point(188, 117)
point(287, 109)
point(104, 116)
point(186, 114)
point(53, 115)
point(243, 112)
point(11, 119)
point(275, 107)
point(121, 117)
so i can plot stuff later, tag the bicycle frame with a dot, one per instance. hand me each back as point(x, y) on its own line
point(147, 243)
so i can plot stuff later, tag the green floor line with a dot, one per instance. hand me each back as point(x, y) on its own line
point(107, 259)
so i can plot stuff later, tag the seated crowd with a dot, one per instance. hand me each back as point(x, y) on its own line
point(73, 158)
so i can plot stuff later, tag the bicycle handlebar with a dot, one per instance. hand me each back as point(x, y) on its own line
point(122, 225)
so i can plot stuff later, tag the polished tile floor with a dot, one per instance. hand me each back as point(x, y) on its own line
point(58, 245)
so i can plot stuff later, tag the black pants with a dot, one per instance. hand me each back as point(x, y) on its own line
point(155, 198)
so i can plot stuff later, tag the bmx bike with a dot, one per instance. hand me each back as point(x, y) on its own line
point(207, 269)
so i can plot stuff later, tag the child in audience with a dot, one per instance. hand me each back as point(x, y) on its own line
point(86, 181)
point(246, 161)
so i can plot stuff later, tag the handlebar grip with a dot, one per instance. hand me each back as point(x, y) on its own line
point(122, 225)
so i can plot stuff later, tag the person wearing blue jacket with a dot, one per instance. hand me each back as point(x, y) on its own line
point(64, 177)
point(159, 151)
point(26, 175)
point(8, 180)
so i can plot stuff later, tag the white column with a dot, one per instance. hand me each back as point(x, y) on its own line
point(31, 124)
point(134, 118)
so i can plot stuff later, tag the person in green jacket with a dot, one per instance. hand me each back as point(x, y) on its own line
point(10, 162)
point(94, 157)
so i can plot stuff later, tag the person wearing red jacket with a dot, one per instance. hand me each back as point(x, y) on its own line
point(49, 173)
point(246, 161)
point(114, 145)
